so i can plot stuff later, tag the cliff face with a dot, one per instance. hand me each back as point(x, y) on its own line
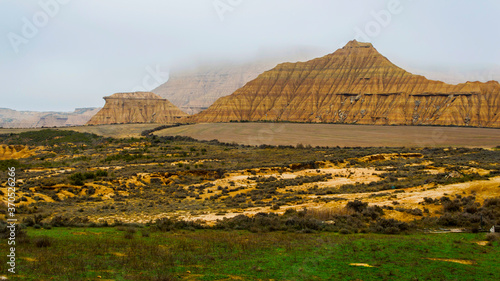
point(138, 107)
point(32, 119)
point(356, 84)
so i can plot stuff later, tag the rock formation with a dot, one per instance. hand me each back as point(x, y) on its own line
point(33, 119)
point(138, 107)
point(356, 84)
point(195, 91)
point(15, 152)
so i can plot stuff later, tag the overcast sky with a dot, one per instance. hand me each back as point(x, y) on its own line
point(64, 54)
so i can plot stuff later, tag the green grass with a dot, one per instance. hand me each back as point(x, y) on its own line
point(83, 254)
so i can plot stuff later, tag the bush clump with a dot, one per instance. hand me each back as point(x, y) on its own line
point(42, 242)
point(169, 224)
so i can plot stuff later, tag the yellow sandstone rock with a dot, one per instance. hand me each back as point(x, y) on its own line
point(356, 84)
point(138, 107)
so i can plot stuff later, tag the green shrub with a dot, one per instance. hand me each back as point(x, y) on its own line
point(344, 231)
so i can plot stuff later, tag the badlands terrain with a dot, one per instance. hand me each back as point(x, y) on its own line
point(399, 182)
point(82, 176)
point(208, 210)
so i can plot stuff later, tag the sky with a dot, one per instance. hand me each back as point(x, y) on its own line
point(58, 55)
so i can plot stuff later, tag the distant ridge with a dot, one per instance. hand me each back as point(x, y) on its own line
point(10, 118)
point(356, 84)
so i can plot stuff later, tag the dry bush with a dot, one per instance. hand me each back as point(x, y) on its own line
point(492, 237)
point(129, 235)
point(42, 242)
point(326, 214)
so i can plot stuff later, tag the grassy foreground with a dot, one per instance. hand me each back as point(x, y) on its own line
point(119, 253)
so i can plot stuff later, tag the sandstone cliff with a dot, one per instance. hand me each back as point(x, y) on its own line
point(33, 119)
point(196, 90)
point(138, 107)
point(356, 84)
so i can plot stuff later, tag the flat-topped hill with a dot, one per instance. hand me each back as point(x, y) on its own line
point(137, 107)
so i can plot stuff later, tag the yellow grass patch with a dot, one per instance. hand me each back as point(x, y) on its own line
point(361, 264)
point(469, 262)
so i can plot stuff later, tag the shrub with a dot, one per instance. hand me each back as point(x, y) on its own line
point(131, 230)
point(373, 212)
point(168, 224)
point(388, 226)
point(77, 179)
point(415, 212)
point(344, 231)
point(29, 221)
point(42, 242)
point(492, 203)
point(428, 200)
point(101, 173)
point(121, 228)
point(357, 205)
point(5, 232)
point(452, 206)
point(492, 237)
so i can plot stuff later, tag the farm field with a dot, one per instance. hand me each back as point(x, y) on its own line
point(339, 135)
